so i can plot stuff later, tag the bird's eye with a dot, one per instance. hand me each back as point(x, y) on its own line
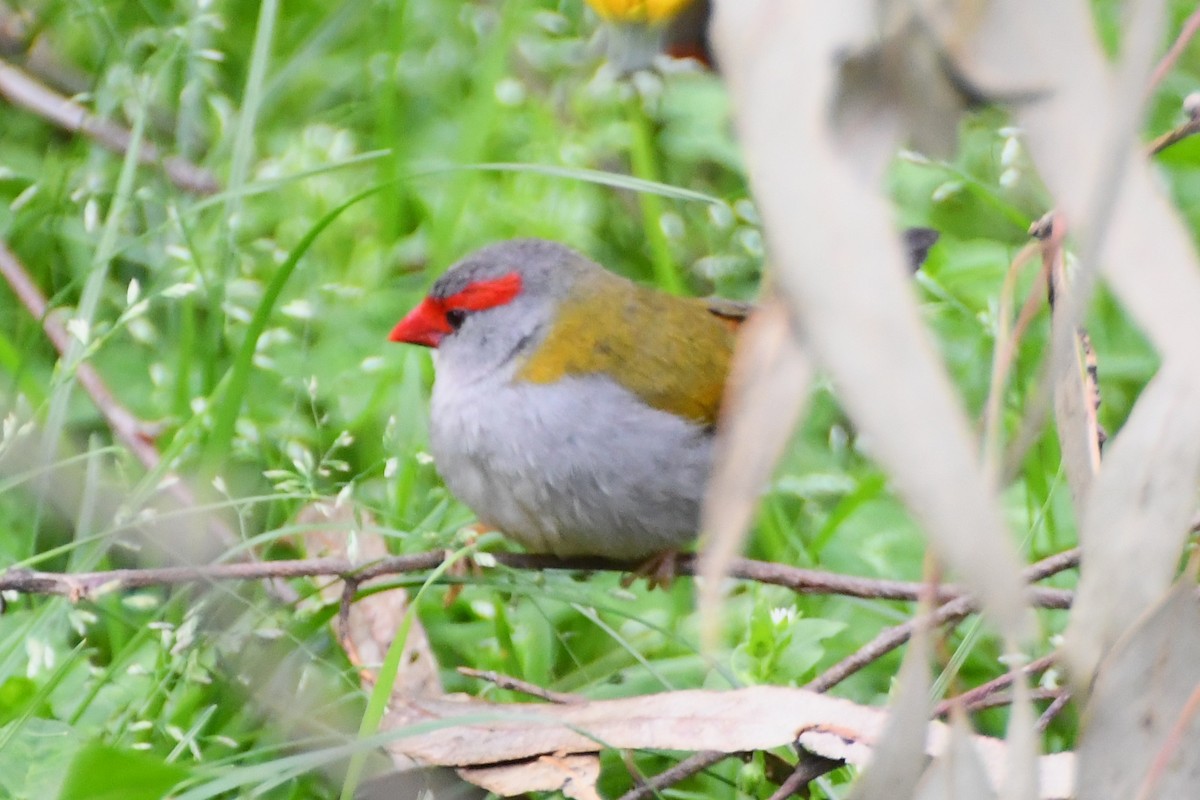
point(455, 318)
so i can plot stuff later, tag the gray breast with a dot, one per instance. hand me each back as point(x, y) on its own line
point(580, 467)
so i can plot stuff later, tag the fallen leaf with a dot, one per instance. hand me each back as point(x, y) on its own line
point(479, 734)
point(573, 775)
point(371, 622)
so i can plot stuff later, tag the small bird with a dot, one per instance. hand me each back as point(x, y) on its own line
point(573, 410)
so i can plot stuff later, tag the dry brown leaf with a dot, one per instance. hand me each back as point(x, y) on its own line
point(1132, 553)
point(1142, 737)
point(367, 632)
point(368, 626)
point(573, 775)
point(1151, 264)
point(764, 396)
point(841, 271)
point(371, 622)
point(754, 718)
point(1074, 404)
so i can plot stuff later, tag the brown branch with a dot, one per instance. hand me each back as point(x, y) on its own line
point(887, 641)
point(524, 687)
point(804, 581)
point(128, 428)
point(1052, 711)
point(1189, 128)
point(808, 769)
point(691, 765)
point(135, 434)
point(1052, 565)
point(24, 91)
point(84, 585)
point(952, 611)
point(22, 42)
point(981, 693)
point(1186, 33)
point(1006, 698)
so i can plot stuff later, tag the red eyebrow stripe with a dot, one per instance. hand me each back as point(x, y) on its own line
point(482, 295)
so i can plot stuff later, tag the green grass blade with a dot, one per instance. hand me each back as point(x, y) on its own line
point(229, 405)
point(382, 693)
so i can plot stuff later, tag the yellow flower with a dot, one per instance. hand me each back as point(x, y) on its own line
point(651, 11)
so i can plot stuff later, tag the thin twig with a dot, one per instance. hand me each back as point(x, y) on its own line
point(1052, 565)
point(691, 765)
point(887, 641)
point(1004, 354)
point(951, 612)
point(85, 585)
point(1052, 711)
point(1006, 698)
point(135, 434)
point(1190, 26)
point(21, 42)
point(808, 769)
point(1189, 128)
point(980, 693)
point(804, 581)
point(128, 428)
point(524, 687)
point(345, 603)
point(22, 90)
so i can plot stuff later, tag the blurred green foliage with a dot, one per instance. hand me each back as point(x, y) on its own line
point(446, 121)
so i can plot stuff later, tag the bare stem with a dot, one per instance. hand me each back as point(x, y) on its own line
point(684, 769)
point(25, 91)
point(85, 585)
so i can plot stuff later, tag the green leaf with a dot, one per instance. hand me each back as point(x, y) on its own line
point(103, 772)
point(16, 694)
point(31, 764)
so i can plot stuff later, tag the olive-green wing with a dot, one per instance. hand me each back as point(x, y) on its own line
point(671, 352)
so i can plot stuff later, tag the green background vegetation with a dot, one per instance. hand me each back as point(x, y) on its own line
point(280, 385)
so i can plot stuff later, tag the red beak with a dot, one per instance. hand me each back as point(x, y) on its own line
point(425, 325)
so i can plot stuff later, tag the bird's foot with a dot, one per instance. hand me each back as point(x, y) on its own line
point(659, 569)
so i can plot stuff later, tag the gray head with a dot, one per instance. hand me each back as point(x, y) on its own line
point(495, 303)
